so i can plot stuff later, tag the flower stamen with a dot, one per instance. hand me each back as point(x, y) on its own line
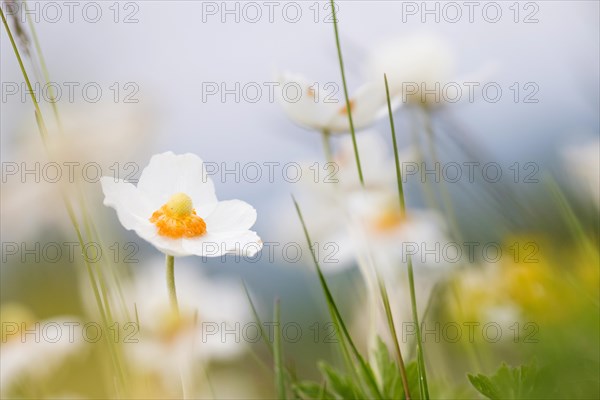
point(344, 110)
point(177, 218)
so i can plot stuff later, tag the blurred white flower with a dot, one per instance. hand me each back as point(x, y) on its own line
point(310, 105)
point(211, 324)
point(96, 139)
point(377, 162)
point(582, 165)
point(354, 218)
point(365, 226)
point(421, 70)
point(32, 348)
point(162, 210)
point(392, 235)
point(382, 239)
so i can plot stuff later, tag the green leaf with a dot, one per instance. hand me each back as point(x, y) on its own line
point(485, 386)
point(341, 385)
point(412, 374)
point(511, 383)
point(390, 379)
point(312, 390)
point(390, 382)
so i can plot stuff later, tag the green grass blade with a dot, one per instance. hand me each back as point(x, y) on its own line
point(573, 222)
point(394, 334)
point(38, 112)
point(42, 127)
point(40, 54)
point(415, 314)
point(277, 353)
point(411, 280)
point(395, 144)
point(367, 372)
point(346, 97)
point(257, 320)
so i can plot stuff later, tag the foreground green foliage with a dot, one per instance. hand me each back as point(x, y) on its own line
point(337, 384)
point(509, 383)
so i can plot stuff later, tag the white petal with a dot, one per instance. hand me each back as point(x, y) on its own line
point(245, 243)
point(172, 247)
point(132, 209)
point(168, 173)
point(368, 104)
point(303, 108)
point(231, 215)
point(134, 213)
point(420, 58)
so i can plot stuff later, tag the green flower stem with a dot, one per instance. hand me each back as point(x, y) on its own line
point(113, 350)
point(411, 279)
point(38, 49)
point(346, 97)
point(38, 112)
point(326, 135)
point(392, 326)
point(336, 317)
point(170, 261)
point(277, 354)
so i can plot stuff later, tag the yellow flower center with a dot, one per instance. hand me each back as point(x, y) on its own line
point(344, 110)
point(177, 218)
point(174, 325)
point(388, 220)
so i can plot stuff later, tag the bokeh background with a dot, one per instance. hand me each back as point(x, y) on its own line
point(172, 49)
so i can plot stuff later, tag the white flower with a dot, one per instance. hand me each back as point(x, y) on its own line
point(377, 162)
point(582, 164)
point(310, 105)
point(174, 207)
point(355, 218)
point(211, 323)
point(32, 348)
point(379, 227)
point(418, 68)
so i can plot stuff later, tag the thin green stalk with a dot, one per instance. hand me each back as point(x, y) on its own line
point(411, 280)
point(343, 345)
point(395, 143)
point(388, 311)
point(326, 135)
point(70, 211)
point(570, 217)
point(38, 112)
point(263, 333)
point(415, 314)
point(277, 354)
point(89, 225)
point(346, 97)
point(111, 345)
point(113, 274)
point(336, 315)
point(170, 262)
point(392, 326)
point(44, 68)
